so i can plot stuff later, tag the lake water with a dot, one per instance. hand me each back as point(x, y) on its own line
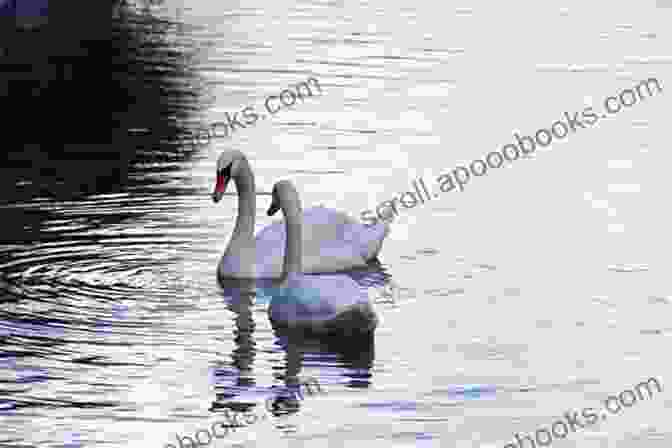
point(540, 289)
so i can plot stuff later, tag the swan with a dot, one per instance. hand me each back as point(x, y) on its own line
point(324, 303)
point(332, 240)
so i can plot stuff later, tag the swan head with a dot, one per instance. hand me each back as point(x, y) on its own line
point(283, 192)
point(228, 166)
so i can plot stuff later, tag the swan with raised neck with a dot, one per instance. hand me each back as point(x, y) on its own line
point(240, 257)
point(331, 240)
point(323, 303)
point(234, 165)
point(285, 197)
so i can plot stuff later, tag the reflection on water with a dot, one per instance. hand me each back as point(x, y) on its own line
point(104, 287)
point(113, 330)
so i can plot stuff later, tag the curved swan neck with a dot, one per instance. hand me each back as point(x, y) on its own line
point(291, 208)
point(247, 206)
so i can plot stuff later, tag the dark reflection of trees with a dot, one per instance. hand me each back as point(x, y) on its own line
point(71, 129)
point(159, 94)
point(67, 134)
point(69, 125)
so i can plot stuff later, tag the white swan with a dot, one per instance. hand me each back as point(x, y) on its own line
point(332, 240)
point(322, 303)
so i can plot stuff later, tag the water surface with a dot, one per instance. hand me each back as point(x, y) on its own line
point(543, 287)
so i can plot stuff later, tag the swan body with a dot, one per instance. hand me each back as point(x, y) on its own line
point(332, 241)
point(322, 303)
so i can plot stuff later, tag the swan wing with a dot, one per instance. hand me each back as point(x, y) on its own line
point(319, 223)
point(332, 241)
point(323, 224)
